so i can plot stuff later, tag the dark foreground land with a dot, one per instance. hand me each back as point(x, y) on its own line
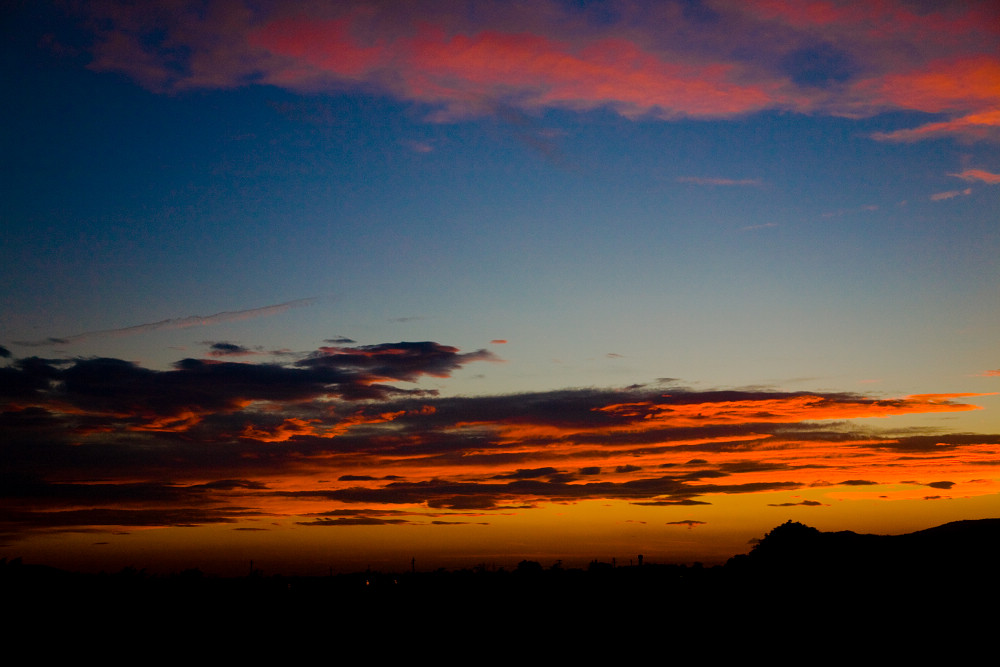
point(795, 577)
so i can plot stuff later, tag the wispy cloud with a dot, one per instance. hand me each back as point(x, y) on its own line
point(979, 175)
point(974, 127)
point(766, 225)
point(951, 194)
point(175, 323)
point(697, 180)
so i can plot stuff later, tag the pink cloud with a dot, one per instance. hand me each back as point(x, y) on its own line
point(652, 59)
point(467, 73)
point(978, 175)
point(951, 194)
point(978, 127)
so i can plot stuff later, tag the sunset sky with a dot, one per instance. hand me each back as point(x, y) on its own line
point(345, 284)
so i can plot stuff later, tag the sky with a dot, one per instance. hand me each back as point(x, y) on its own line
point(330, 286)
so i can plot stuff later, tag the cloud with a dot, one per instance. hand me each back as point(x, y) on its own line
point(352, 521)
point(690, 523)
point(419, 146)
point(951, 194)
point(803, 503)
point(974, 127)
point(396, 361)
point(73, 520)
point(204, 442)
point(533, 473)
point(655, 59)
point(229, 350)
point(978, 175)
point(717, 181)
point(175, 323)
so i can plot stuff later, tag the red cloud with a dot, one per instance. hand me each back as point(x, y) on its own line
point(652, 59)
point(467, 73)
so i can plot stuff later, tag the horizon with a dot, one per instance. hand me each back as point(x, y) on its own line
point(342, 285)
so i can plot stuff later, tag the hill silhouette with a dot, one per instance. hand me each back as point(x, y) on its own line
point(794, 567)
point(957, 549)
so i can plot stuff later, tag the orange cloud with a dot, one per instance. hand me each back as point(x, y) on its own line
point(973, 127)
point(978, 175)
point(944, 85)
point(790, 409)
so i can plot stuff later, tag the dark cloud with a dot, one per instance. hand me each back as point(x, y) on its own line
point(112, 516)
point(100, 443)
point(229, 350)
point(195, 387)
point(443, 494)
point(531, 473)
point(231, 484)
point(752, 466)
point(4, 352)
point(469, 502)
point(669, 503)
point(395, 361)
point(352, 521)
point(804, 503)
point(339, 340)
